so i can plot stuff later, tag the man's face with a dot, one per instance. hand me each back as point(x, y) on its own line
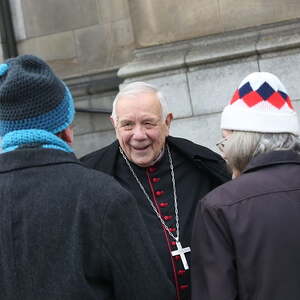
point(140, 129)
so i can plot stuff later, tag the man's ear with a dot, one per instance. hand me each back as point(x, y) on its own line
point(113, 122)
point(169, 119)
point(67, 135)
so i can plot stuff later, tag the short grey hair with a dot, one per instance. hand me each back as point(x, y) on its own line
point(138, 87)
point(241, 146)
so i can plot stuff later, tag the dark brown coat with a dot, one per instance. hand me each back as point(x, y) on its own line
point(246, 243)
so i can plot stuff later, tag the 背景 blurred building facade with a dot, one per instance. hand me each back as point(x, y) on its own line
point(196, 51)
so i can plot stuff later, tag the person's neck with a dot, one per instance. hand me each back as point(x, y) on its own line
point(157, 159)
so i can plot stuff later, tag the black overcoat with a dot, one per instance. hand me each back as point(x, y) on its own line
point(197, 171)
point(63, 237)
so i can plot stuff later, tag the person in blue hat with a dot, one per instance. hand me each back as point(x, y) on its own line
point(61, 235)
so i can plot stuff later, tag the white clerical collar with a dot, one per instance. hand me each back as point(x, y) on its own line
point(159, 157)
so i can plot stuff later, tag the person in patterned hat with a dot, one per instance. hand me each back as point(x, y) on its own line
point(62, 236)
point(245, 242)
point(167, 175)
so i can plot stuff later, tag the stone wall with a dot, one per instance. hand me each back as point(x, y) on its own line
point(85, 42)
point(76, 37)
point(199, 76)
point(157, 22)
point(196, 51)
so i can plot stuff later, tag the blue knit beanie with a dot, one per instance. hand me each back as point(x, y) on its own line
point(33, 97)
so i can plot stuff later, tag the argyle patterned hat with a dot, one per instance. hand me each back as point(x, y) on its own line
point(260, 104)
point(33, 97)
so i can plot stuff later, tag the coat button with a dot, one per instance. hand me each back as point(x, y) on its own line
point(159, 193)
point(163, 204)
point(172, 229)
point(155, 179)
point(184, 287)
point(173, 243)
point(152, 169)
point(181, 272)
point(167, 218)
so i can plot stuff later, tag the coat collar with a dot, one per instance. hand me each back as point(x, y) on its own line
point(201, 156)
point(192, 150)
point(273, 158)
point(34, 157)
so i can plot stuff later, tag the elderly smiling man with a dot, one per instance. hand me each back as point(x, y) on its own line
point(167, 175)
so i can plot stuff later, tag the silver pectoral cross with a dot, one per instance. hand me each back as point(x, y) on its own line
point(181, 251)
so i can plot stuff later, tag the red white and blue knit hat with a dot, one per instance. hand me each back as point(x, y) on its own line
point(260, 104)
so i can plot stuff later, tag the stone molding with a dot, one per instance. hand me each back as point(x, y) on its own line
point(88, 87)
point(92, 84)
point(215, 48)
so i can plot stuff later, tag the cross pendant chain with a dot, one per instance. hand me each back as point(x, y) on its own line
point(181, 251)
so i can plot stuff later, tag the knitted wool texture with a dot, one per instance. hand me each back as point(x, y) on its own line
point(260, 104)
point(33, 97)
point(28, 138)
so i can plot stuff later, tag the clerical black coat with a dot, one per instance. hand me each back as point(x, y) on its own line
point(197, 170)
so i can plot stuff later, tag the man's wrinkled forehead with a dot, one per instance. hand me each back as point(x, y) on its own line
point(144, 103)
